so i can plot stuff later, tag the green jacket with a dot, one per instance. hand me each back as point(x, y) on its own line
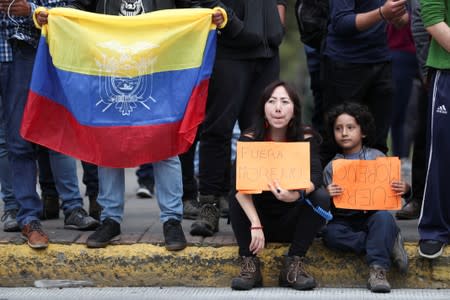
point(433, 12)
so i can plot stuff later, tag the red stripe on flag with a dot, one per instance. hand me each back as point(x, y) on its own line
point(50, 124)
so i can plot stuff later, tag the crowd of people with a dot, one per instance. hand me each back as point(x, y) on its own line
point(370, 45)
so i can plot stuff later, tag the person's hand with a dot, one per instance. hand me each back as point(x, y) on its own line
point(400, 187)
point(282, 194)
point(218, 18)
point(42, 18)
point(18, 8)
point(393, 9)
point(334, 190)
point(258, 239)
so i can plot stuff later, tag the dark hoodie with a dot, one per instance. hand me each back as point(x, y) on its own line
point(128, 7)
point(254, 28)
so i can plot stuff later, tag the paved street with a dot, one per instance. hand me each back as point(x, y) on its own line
point(216, 293)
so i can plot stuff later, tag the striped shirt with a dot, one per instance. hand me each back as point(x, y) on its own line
point(21, 28)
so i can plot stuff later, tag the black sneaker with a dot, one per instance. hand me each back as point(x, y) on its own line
point(431, 248)
point(107, 232)
point(9, 221)
point(145, 190)
point(399, 255)
point(174, 235)
point(78, 219)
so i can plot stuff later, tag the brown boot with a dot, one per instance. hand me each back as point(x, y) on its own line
point(250, 275)
point(377, 282)
point(36, 237)
point(94, 208)
point(207, 222)
point(409, 211)
point(293, 274)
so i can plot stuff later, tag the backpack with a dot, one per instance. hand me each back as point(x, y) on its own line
point(312, 19)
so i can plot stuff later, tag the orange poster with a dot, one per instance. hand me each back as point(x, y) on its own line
point(367, 183)
point(260, 163)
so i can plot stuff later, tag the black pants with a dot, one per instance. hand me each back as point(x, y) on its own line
point(190, 185)
point(419, 166)
point(367, 84)
point(297, 224)
point(234, 91)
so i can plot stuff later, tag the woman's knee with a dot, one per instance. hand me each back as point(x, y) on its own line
point(321, 198)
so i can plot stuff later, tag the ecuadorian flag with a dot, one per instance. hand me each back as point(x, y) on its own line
point(120, 91)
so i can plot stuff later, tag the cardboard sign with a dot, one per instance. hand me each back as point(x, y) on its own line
point(367, 183)
point(260, 163)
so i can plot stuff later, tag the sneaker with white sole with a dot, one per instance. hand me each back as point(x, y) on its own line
point(431, 248)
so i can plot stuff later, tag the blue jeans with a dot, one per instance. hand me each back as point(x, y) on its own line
point(64, 170)
point(168, 186)
point(374, 235)
point(15, 80)
point(14, 83)
point(58, 178)
point(9, 199)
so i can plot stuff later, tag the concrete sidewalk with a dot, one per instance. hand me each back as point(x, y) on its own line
point(140, 259)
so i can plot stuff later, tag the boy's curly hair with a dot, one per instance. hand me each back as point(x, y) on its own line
point(362, 116)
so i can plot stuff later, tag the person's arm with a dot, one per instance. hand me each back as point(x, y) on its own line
point(391, 10)
point(441, 33)
point(281, 5)
point(433, 16)
point(19, 8)
point(332, 188)
point(421, 39)
point(257, 233)
point(400, 188)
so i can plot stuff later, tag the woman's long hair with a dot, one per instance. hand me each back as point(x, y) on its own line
point(296, 130)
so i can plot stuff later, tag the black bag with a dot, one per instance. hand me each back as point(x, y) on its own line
point(312, 19)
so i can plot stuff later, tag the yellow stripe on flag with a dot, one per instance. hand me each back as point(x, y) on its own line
point(96, 44)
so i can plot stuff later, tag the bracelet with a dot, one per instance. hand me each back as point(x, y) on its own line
point(381, 13)
point(256, 227)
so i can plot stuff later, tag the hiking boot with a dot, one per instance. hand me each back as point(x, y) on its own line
point(50, 207)
point(377, 282)
point(431, 248)
point(190, 209)
point(399, 255)
point(294, 275)
point(145, 190)
point(207, 222)
point(224, 207)
point(94, 208)
point(78, 219)
point(107, 232)
point(36, 237)
point(174, 235)
point(9, 221)
point(250, 275)
point(409, 211)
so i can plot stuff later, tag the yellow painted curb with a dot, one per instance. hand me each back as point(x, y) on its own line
point(150, 265)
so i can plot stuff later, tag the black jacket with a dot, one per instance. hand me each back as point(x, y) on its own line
point(128, 7)
point(254, 28)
